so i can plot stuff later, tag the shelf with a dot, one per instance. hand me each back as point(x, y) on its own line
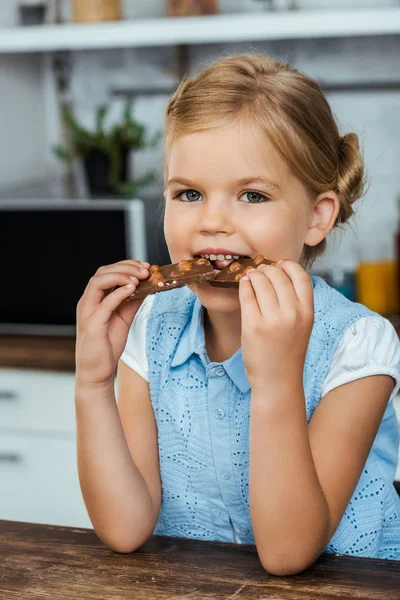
point(245, 27)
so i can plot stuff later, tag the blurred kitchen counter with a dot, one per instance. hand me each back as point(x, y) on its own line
point(54, 353)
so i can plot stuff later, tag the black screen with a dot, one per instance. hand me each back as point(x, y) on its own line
point(48, 257)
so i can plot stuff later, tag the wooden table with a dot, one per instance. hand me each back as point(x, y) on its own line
point(54, 353)
point(60, 563)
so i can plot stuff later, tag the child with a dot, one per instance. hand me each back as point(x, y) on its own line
point(260, 415)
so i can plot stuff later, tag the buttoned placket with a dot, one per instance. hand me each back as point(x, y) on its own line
point(219, 419)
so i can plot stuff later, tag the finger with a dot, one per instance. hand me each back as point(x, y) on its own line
point(128, 309)
point(301, 281)
point(99, 286)
point(282, 285)
point(264, 291)
point(248, 302)
point(103, 313)
point(124, 266)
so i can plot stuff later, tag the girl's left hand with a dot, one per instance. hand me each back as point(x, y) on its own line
point(277, 310)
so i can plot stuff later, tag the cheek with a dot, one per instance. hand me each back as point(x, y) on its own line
point(277, 238)
point(177, 232)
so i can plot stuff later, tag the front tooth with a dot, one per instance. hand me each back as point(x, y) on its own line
point(213, 257)
point(221, 257)
point(228, 256)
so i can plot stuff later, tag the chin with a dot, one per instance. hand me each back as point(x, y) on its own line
point(217, 299)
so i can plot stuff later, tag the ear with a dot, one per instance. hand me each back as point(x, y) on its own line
point(322, 217)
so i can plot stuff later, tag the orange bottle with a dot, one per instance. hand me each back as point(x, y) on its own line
point(377, 282)
point(397, 256)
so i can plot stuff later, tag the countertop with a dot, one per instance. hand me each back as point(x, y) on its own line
point(42, 561)
point(52, 353)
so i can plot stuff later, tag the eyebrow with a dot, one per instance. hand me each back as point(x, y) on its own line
point(239, 183)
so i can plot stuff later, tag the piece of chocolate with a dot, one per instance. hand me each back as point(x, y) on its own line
point(168, 277)
point(231, 275)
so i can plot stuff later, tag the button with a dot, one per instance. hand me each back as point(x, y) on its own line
point(244, 531)
point(220, 371)
point(225, 475)
point(219, 413)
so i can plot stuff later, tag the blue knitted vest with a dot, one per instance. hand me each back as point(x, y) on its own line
point(200, 499)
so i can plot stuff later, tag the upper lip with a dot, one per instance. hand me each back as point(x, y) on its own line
point(219, 251)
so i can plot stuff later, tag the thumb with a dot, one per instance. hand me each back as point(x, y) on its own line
point(128, 309)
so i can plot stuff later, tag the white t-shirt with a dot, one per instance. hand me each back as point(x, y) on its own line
point(370, 346)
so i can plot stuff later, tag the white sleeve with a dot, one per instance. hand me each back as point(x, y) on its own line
point(134, 354)
point(370, 346)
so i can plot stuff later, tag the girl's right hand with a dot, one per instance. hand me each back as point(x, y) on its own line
point(103, 321)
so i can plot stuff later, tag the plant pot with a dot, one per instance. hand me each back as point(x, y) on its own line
point(92, 11)
point(184, 8)
point(32, 14)
point(97, 171)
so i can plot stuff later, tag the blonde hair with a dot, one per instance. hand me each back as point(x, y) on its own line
point(286, 106)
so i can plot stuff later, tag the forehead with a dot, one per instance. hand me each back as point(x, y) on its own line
point(225, 153)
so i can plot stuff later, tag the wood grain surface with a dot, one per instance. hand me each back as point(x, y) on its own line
point(38, 352)
point(41, 561)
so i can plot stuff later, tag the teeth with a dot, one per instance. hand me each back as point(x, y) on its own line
point(220, 256)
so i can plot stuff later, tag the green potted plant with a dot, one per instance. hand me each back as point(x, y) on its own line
point(105, 152)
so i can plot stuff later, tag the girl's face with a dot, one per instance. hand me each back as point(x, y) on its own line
point(228, 194)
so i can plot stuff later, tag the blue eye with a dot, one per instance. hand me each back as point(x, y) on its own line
point(255, 197)
point(192, 195)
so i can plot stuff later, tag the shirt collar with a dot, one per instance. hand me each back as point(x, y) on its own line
point(193, 341)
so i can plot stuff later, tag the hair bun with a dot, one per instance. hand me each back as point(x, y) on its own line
point(350, 178)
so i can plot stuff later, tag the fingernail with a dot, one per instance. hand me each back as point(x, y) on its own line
point(135, 279)
point(143, 270)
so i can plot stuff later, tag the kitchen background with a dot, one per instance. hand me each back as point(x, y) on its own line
point(59, 58)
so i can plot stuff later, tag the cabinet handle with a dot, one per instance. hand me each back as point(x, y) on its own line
point(8, 396)
point(10, 457)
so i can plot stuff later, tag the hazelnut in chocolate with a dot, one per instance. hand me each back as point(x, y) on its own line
point(231, 275)
point(168, 277)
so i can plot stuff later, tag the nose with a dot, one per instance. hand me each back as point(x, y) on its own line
point(215, 217)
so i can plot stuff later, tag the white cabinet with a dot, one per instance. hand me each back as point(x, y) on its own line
point(38, 471)
point(39, 481)
point(37, 401)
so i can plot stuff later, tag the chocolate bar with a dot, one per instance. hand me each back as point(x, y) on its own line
point(198, 270)
point(168, 277)
point(231, 275)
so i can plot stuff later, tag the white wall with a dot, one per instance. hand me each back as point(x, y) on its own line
point(372, 115)
point(22, 115)
point(8, 13)
point(153, 8)
point(22, 145)
point(157, 8)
